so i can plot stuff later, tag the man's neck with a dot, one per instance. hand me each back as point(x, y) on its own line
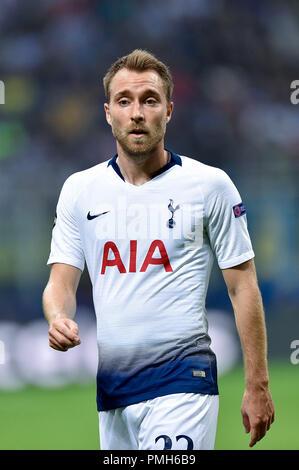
point(140, 170)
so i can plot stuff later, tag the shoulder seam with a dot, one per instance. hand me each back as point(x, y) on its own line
point(76, 197)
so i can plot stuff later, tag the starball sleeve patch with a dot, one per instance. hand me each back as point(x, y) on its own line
point(239, 210)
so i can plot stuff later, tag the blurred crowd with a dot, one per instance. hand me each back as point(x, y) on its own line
point(232, 64)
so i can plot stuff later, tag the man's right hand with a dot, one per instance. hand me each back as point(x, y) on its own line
point(63, 334)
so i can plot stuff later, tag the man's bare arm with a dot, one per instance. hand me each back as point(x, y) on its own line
point(257, 406)
point(59, 305)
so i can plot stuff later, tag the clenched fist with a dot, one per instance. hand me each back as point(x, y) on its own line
point(63, 334)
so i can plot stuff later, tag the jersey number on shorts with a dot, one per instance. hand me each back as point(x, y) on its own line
point(168, 441)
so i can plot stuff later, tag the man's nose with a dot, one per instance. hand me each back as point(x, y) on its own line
point(137, 112)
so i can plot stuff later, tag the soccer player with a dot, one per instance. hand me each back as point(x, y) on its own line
point(148, 223)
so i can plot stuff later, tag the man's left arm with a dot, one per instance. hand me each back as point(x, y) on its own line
point(257, 405)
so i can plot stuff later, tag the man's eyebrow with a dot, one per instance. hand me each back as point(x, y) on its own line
point(148, 92)
point(121, 93)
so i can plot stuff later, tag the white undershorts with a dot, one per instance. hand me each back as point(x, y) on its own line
point(180, 421)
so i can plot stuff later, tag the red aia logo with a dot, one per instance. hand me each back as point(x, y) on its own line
point(117, 261)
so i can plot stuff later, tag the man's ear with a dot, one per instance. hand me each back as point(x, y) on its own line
point(108, 117)
point(169, 111)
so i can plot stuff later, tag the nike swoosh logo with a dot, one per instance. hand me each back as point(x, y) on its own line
point(90, 217)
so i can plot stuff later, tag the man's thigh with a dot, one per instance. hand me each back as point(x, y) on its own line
point(181, 421)
point(116, 433)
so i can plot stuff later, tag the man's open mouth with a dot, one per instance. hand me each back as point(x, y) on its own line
point(138, 132)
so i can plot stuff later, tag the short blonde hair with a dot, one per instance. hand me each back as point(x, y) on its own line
point(140, 60)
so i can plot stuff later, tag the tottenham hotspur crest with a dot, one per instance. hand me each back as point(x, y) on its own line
point(171, 222)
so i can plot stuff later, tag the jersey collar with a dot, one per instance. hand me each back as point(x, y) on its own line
point(174, 160)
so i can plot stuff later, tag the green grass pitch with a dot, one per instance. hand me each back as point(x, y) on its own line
point(66, 418)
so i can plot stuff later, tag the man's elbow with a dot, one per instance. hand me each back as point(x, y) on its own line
point(249, 287)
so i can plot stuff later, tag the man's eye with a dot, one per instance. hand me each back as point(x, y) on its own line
point(151, 101)
point(123, 102)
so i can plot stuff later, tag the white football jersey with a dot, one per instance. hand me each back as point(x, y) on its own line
point(149, 251)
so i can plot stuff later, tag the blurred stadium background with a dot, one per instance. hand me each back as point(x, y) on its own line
point(232, 63)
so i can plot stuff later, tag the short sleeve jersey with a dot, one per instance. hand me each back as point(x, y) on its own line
point(149, 251)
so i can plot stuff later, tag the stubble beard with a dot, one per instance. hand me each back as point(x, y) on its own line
point(137, 150)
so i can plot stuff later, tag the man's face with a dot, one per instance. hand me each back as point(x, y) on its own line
point(138, 110)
